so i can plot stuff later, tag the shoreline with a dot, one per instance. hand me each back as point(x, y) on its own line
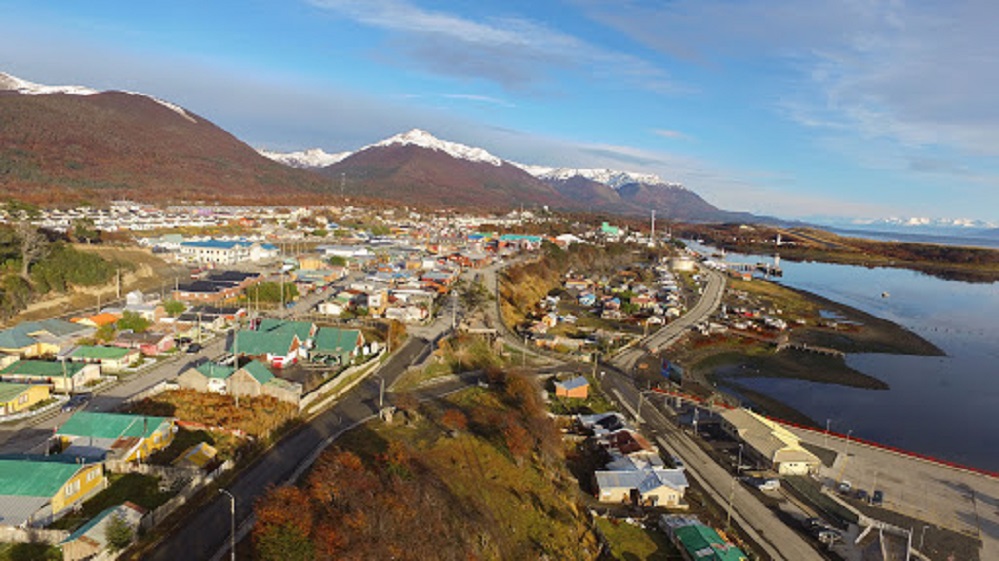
point(722, 362)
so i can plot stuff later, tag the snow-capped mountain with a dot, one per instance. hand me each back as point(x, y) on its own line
point(312, 158)
point(609, 177)
point(424, 139)
point(13, 83)
point(924, 222)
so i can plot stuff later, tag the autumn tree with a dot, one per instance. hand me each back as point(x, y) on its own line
point(454, 419)
point(517, 439)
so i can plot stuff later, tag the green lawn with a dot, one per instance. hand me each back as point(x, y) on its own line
point(632, 543)
point(29, 552)
point(142, 490)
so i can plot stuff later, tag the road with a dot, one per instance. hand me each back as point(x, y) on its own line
point(207, 529)
point(660, 340)
point(30, 435)
point(761, 524)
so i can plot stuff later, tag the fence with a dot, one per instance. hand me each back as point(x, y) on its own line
point(9, 534)
point(192, 487)
point(159, 388)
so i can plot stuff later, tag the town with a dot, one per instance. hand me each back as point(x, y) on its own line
point(150, 421)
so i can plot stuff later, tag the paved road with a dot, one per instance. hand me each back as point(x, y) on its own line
point(31, 434)
point(943, 496)
point(208, 529)
point(671, 333)
point(780, 542)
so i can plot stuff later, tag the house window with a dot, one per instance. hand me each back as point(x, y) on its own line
point(92, 475)
point(22, 399)
point(73, 488)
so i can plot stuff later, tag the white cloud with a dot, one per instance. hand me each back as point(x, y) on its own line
point(517, 53)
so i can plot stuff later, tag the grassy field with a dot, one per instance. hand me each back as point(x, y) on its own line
point(526, 509)
point(631, 543)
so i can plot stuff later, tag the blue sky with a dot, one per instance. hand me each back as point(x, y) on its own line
point(795, 108)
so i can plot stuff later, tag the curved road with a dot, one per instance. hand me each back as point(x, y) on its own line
point(708, 302)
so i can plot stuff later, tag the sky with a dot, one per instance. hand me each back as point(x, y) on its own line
point(790, 108)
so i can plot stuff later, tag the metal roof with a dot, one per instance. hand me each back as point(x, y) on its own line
point(111, 425)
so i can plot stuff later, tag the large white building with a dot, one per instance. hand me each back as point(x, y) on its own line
point(222, 252)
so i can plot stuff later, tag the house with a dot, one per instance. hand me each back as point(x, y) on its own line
point(35, 491)
point(602, 424)
point(337, 346)
point(697, 542)
point(304, 330)
point(111, 359)
point(38, 338)
point(254, 379)
point(251, 380)
point(63, 376)
point(206, 377)
point(279, 349)
point(768, 442)
point(646, 487)
point(587, 299)
point(148, 343)
point(577, 387)
point(15, 398)
point(98, 320)
point(577, 284)
point(118, 436)
point(90, 540)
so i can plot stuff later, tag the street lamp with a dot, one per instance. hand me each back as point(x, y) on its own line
point(738, 466)
point(232, 524)
point(922, 535)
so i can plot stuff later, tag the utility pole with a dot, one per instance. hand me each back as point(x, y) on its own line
point(232, 524)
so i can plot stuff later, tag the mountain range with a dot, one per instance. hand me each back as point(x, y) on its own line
point(73, 144)
point(419, 167)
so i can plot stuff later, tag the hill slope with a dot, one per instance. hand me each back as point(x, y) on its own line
point(73, 147)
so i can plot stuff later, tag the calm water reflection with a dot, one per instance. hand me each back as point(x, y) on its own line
point(942, 406)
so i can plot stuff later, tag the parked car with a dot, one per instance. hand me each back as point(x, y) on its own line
point(877, 497)
point(845, 487)
point(76, 401)
point(860, 495)
point(194, 348)
point(768, 485)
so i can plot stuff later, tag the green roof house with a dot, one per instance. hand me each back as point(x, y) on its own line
point(703, 543)
point(277, 348)
point(206, 377)
point(34, 492)
point(336, 345)
point(89, 434)
point(304, 330)
point(62, 376)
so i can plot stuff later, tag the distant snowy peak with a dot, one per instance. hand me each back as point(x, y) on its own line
point(423, 139)
point(923, 222)
point(15, 84)
point(609, 177)
point(305, 159)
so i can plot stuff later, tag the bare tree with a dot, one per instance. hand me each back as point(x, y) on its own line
point(34, 246)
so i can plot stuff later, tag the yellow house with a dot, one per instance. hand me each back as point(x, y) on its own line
point(118, 436)
point(36, 492)
point(19, 397)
